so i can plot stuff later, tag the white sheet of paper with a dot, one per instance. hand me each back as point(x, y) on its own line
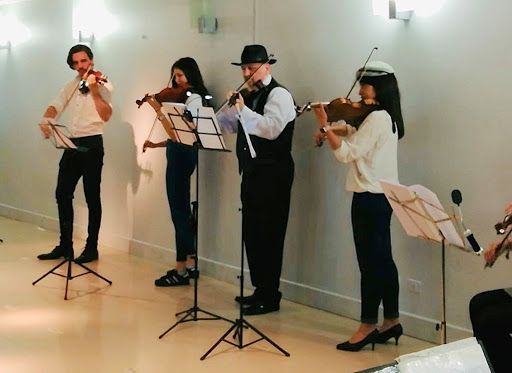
point(412, 215)
point(60, 134)
point(421, 218)
point(446, 227)
point(184, 130)
point(208, 128)
point(465, 355)
point(61, 139)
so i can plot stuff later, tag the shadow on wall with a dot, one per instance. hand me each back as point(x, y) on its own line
point(121, 180)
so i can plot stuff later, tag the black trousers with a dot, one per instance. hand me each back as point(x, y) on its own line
point(181, 162)
point(491, 317)
point(265, 195)
point(74, 165)
point(371, 218)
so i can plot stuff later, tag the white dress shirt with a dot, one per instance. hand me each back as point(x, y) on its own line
point(371, 152)
point(83, 118)
point(279, 110)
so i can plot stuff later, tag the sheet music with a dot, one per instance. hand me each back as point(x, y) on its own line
point(184, 129)
point(446, 227)
point(60, 134)
point(419, 211)
point(412, 216)
point(208, 128)
point(188, 124)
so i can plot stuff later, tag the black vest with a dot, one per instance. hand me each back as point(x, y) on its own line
point(267, 151)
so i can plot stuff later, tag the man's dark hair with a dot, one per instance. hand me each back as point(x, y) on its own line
point(78, 48)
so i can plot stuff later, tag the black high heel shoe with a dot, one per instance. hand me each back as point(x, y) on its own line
point(394, 332)
point(353, 347)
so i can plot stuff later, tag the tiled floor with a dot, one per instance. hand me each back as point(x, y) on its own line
point(115, 328)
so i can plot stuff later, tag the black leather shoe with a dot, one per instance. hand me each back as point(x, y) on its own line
point(87, 256)
point(249, 300)
point(260, 309)
point(394, 332)
point(56, 253)
point(353, 347)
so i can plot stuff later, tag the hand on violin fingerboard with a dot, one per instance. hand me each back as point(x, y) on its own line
point(93, 83)
point(320, 114)
point(239, 99)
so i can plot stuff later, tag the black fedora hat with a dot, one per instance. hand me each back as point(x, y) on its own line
point(254, 54)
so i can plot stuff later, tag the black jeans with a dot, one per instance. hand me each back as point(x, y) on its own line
point(265, 196)
point(491, 317)
point(181, 162)
point(371, 218)
point(74, 165)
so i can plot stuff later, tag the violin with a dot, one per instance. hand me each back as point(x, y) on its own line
point(83, 86)
point(170, 94)
point(244, 92)
point(502, 226)
point(504, 246)
point(354, 113)
point(244, 88)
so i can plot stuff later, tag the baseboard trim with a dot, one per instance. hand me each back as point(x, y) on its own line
point(415, 325)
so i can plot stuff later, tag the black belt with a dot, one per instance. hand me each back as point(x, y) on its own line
point(85, 143)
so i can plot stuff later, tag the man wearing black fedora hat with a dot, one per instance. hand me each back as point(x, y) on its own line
point(268, 116)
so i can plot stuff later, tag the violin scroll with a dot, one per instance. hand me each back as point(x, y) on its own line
point(501, 227)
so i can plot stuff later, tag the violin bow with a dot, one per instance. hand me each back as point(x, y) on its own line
point(358, 79)
point(302, 109)
point(270, 56)
point(156, 116)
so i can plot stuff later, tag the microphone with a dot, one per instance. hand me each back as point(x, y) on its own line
point(457, 199)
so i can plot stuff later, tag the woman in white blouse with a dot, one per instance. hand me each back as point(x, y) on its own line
point(371, 152)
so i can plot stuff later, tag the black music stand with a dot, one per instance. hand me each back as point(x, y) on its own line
point(241, 323)
point(204, 134)
point(60, 137)
point(422, 216)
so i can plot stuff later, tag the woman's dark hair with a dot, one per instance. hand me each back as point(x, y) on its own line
point(78, 48)
point(388, 96)
point(189, 67)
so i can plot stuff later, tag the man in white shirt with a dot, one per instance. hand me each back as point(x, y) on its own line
point(89, 109)
point(268, 116)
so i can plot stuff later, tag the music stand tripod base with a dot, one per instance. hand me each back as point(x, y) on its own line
point(68, 275)
point(241, 323)
point(180, 120)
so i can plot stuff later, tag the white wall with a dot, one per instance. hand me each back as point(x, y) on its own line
point(453, 73)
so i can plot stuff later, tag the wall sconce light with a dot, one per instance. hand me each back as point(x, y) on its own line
point(395, 9)
point(5, 44)
point(402, 14)
point(89, 28)
point(85, 38)
point(207, 24)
